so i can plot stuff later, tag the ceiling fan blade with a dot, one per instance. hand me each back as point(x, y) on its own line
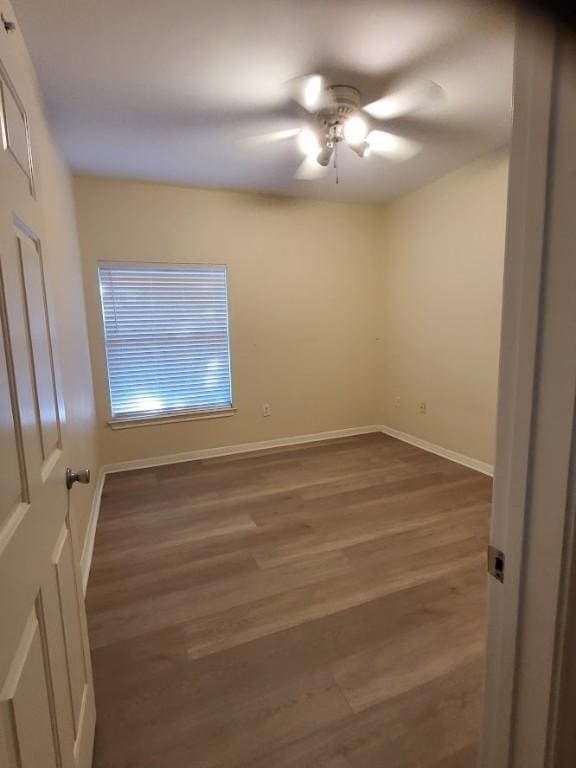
point(263, 139)
point(430, 131)
point(309, 91)
point(392, 146)
point(405, 100)
point(310, 169)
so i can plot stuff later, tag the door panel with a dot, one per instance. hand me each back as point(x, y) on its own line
point(41, 350)
point(19, 359)
point(47, 712)
point(25, 703)
point(11, 494)
point(14, 126)
point(76, 668)
point(69, 666)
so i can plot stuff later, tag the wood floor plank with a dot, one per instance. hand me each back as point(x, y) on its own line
point(165, 578)
point(321, 606)
point(371, 520)
point(467, 757)
point(242, 624)
point(146, 613)
point(131, 691)
point(377, 674)
point(416, 730)
point(279, 715)
point(145, 556)
point(425, 725)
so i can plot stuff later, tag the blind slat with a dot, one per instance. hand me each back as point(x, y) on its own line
point(167, 338)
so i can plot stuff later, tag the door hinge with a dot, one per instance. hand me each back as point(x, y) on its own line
point(496, 562)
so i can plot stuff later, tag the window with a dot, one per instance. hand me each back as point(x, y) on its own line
point(166, 334)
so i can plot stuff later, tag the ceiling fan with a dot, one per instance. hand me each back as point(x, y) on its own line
point(337, 118)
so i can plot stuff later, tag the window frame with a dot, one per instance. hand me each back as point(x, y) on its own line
point(150, 418)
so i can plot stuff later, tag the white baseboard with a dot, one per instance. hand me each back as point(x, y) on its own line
point(88, 549)
point(229, 450)
point(459, 458)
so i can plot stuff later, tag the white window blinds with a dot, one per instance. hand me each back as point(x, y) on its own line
point(166, 333)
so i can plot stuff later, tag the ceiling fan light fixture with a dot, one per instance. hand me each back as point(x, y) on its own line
point(355, 130)
point(308, 142)
point(325, 155)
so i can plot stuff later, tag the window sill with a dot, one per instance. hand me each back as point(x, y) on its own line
point(148, 421)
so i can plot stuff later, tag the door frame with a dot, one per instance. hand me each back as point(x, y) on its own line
point(527, 686)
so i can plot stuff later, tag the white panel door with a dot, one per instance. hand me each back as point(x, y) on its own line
point(47, 712)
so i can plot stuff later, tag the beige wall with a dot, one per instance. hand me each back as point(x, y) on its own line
point(336, 310)
point(63, 272)
point(441, 259)
point(302, 305)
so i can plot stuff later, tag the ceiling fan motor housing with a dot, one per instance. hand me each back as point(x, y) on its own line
point(345, 97)
point(344, 101)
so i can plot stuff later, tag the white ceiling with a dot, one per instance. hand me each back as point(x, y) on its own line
point(165, 90)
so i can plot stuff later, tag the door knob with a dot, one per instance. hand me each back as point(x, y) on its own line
point(80, 476)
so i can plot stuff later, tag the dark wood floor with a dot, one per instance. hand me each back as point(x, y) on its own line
point(314, 607)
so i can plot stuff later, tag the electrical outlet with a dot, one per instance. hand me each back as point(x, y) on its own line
point(397, 402)
point(422, 408)
point(266, 410)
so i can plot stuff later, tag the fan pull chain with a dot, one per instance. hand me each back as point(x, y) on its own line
point(336, 163)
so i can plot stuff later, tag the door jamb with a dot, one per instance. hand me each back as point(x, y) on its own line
point(533, 508)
